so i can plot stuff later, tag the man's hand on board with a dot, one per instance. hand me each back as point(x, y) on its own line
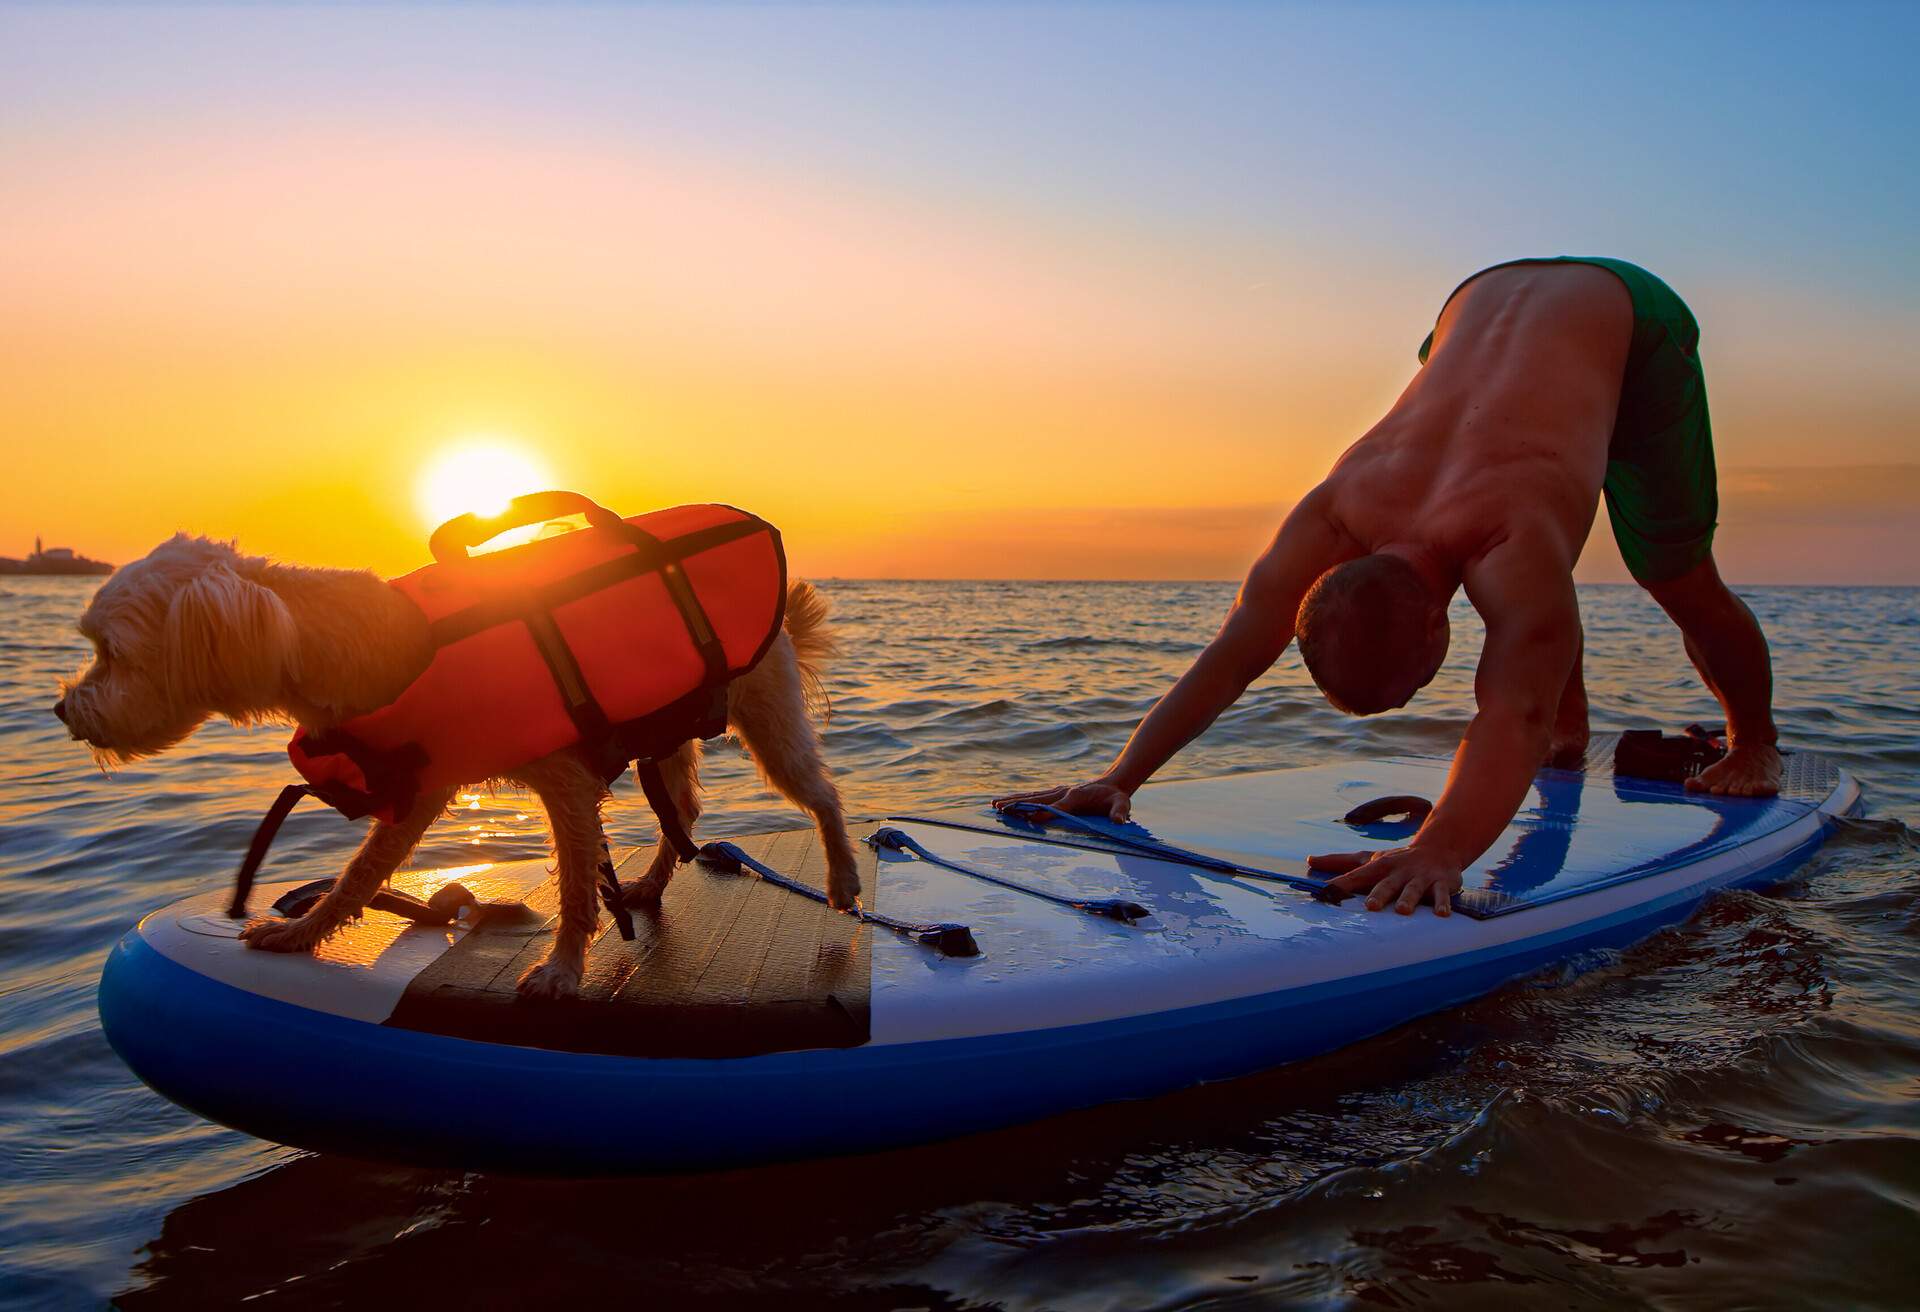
point(1403, 877)
point(1095, 798)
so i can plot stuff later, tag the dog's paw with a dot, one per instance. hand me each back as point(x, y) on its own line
point(301, 935)
point(644, 894)
point(843, 891)
point(549, 980)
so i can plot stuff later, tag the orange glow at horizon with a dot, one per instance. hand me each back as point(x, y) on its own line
point(253, 357)
point(268, 334)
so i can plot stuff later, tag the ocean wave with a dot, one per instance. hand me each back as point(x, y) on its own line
point(1423, 1166)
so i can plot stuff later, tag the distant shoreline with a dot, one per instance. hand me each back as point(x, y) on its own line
point(80, 567)
point(14, 572)
point(54, 562)
point(99, 569)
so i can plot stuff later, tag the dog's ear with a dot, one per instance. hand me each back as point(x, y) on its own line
point(229, 643)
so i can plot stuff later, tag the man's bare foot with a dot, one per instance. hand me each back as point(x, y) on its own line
point(1568, 750)
point(1742, 772)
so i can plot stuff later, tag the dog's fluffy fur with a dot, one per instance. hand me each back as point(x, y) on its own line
point(196, 630)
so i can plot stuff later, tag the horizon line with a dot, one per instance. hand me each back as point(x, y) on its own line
point(1600, 583)
point(1118, 582)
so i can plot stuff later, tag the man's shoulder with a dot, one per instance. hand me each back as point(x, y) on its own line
point(1524, 568)
point(1316, 523)
point(1308, 543)
point(1529, 534)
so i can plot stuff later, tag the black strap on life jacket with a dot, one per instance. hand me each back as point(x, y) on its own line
point(672, 832)
point(598, 733)
point(262, 840)
point(610, 895)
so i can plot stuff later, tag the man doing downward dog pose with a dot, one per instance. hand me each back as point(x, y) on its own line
point(1545, 384)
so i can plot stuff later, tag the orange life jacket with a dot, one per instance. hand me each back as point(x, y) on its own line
point(619, 638)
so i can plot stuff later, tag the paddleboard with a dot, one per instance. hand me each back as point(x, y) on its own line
point(1016, 968)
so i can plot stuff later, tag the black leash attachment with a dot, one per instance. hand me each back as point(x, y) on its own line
point(448, 903)
point(610, 893)
point(654, 785)
point(262, 840)
point(889, 839)
point(1032, 818)
point(944, 937)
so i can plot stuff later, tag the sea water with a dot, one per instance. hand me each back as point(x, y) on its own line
point(1723, 1115)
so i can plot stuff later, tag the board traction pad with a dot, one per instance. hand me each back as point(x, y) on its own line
point(1805, 777)
point(1808, 780)
point(732, 966)
point(729, 966)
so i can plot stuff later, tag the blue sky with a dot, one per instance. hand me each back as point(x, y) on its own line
point(1735, 133)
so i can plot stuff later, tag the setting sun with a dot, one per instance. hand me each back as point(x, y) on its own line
point(478, 476)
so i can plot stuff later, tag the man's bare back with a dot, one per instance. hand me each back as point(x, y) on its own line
point(1503, 436)
point(1547, 381)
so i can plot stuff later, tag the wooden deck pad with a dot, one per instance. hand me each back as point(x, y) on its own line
point(729, 966)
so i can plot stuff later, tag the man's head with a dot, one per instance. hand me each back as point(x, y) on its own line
point(1372, 634)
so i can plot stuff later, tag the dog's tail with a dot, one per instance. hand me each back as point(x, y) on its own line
point(813, 641)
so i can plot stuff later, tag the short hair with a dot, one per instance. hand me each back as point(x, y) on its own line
point(1365, 633)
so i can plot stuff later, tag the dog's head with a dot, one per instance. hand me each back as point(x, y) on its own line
point(185, 633)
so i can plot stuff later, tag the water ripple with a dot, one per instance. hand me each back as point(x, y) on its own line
point(1713, 1116)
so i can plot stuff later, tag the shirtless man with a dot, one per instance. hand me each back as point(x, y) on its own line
point(1544, 384)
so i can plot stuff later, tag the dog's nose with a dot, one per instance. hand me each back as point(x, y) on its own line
point(60, 709)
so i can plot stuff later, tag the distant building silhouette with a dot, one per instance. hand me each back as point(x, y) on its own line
point(58, 560)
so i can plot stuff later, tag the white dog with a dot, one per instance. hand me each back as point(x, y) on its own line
point(196, 629)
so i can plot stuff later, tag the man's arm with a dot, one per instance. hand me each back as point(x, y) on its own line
point(1256, 632)
point(1524, 591)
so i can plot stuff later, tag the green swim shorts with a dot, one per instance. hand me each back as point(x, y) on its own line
point(1662, 493)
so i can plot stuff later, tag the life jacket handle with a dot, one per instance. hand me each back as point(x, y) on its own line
point(459, 535)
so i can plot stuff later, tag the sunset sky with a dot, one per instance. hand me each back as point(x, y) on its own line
point(974, 291)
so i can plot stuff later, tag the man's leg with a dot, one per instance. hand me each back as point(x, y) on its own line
point(1726, 645)
point(1567, 750)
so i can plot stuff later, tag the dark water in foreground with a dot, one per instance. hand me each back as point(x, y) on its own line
point(1723, 1116)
